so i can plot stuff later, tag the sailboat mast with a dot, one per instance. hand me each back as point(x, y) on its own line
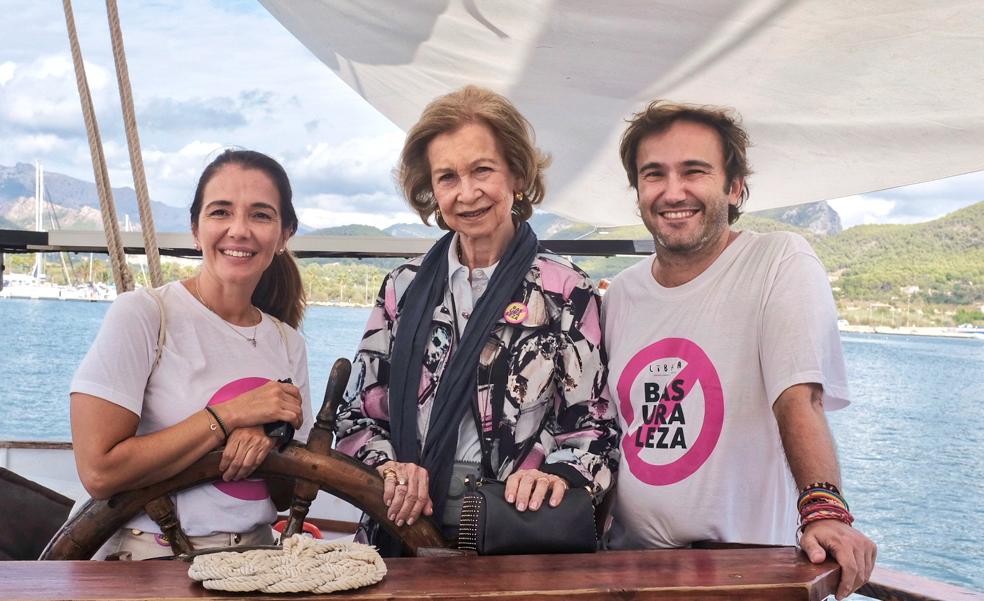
point(38, 215)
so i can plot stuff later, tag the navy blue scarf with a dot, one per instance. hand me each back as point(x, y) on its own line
point(457, 387)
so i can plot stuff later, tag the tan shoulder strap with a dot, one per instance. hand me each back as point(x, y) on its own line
point(280, 328)
point(162, 332)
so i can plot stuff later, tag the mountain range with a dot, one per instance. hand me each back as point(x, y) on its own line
point(75, 205)
point(75, 202)
point(939, 262)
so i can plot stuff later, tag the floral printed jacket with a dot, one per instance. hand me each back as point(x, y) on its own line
point(540, 382)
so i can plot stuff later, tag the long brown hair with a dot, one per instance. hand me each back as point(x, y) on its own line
point(280, 291)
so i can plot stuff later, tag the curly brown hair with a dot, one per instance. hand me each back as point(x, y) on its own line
point(661, 114)
point(513, 134)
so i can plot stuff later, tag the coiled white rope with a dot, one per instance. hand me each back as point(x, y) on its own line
point(303, 565)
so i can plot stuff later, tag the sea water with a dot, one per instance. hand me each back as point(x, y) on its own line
point(911, 444)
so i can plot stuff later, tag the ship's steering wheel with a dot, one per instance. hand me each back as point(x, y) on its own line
point(314, 466)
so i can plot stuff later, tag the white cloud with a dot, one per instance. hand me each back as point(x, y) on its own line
point(359, 165)
point(43, 97)
point(7, 70)
point(320, 218)
point(912, 204)
point(231, 73)
point(183, 165)
point(378, 209)
point(37, 144)
point(857, 210)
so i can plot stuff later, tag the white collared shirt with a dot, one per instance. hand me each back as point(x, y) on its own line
point(466, 287)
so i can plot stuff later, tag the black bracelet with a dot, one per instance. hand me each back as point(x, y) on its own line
point(219, 421)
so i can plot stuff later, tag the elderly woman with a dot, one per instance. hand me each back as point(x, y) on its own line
point(485, 355)
point(178, 371)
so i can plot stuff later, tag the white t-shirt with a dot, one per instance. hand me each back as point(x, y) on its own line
point(695, 370)
point(203, 362)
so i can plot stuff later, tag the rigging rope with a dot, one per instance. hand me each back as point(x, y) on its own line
point(302, 565)
point(114, 244)
point(133, 142)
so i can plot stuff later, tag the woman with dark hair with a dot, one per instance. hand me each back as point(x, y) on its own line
point(483, 357)
point(178, 371)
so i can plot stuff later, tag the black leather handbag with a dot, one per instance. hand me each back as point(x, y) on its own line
point(490, 525)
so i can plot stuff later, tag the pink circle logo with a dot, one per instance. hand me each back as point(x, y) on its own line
point(250, 489)
point(516, 313)
point(678, 392)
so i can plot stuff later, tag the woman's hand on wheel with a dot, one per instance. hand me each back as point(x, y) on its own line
point(527, 489)
point(271, 402)
point(405, 491)
point(244, 452)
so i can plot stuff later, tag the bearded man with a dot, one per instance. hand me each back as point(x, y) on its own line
point(723, 352)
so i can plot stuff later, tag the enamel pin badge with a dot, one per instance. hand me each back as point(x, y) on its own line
point(516, 313)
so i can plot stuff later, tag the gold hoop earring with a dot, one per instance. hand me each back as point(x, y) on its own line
point(518, 196)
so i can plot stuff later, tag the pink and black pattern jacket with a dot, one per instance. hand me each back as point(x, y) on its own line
point(540, 382)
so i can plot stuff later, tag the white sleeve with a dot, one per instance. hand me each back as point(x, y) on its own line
point(119, 361)
point(299, 367)
point(799, 342)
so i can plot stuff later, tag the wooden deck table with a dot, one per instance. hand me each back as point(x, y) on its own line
point(762, 574)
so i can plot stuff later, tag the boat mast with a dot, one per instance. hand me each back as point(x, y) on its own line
point(38, 216)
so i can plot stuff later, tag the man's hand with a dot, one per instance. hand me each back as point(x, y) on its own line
point(853, 551)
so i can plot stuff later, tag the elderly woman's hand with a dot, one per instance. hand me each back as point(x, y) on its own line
point(405, 491)
point(527, 488)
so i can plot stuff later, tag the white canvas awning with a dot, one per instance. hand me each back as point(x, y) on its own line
point(840, 96)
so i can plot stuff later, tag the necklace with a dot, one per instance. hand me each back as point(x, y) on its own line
point(249, 339)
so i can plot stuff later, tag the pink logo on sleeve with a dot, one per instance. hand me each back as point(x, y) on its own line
point(250, 489)
point(671, 400)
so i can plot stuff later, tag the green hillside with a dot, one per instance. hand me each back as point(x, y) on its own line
point(348, 230)
point(943, 258)
point(922, 274)
point(608, 267)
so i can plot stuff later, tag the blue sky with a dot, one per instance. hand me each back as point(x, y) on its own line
point(207, 75)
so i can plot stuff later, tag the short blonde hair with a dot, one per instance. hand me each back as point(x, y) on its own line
point(513, 134)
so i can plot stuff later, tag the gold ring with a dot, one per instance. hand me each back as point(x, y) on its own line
point(389, 473)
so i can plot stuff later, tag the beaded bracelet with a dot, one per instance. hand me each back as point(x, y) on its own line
point(824, 492)
point(822, 501)
point(218, 420)
point(839, 515)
